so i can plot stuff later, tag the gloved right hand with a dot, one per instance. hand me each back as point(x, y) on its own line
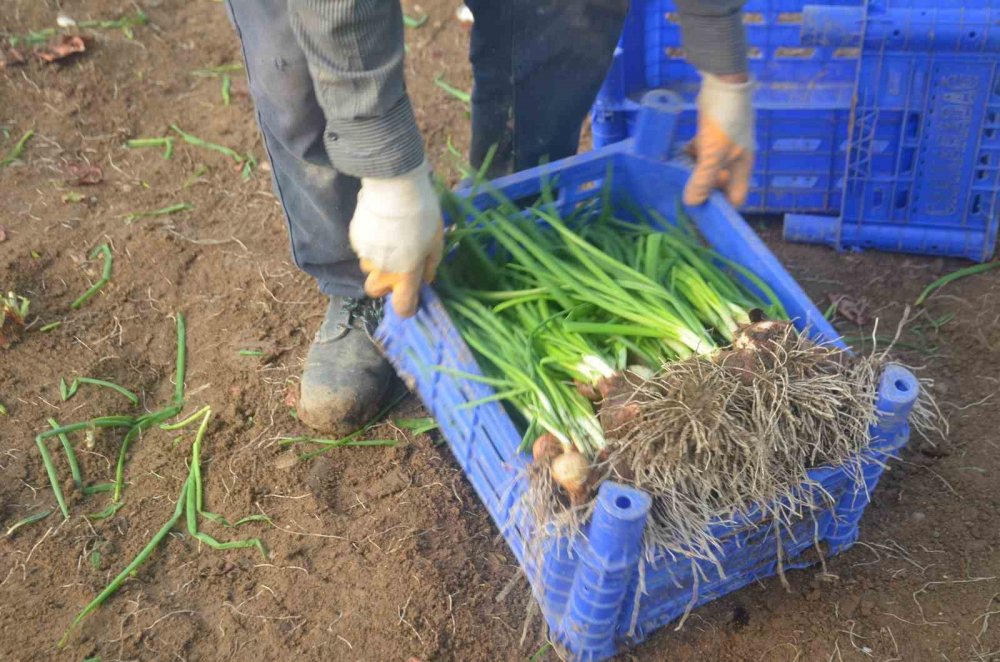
point(398, 235)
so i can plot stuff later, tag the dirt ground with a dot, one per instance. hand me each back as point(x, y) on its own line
point(405, 562)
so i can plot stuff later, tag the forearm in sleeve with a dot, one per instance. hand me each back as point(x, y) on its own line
point(354, 49)
point(715, 40)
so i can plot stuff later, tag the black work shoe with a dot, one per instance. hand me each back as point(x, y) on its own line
point(345, 380)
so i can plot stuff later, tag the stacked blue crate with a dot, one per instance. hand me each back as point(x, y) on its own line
point(890, 141)
point(923, 164)
point(596, 592)
point(803, 99)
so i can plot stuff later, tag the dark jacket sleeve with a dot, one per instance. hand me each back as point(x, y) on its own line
point(354, 49)
point(714, 38)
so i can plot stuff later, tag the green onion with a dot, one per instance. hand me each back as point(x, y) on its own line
point(545, 300)
point(953, 276)
point(227, 86)
point(415, 22)
point(163, 211)
point(453, 91)
point(167, 143)
point(116, 583)
point(104, 251)
point(68, 392)
point(30, 519)
point(74, 466)
point(15, 153)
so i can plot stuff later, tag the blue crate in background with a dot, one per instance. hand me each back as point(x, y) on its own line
point(589, 588)
point(923, 161)
point(803, 100)
point(889, 142)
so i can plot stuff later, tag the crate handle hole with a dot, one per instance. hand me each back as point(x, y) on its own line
point(623, 502)
point(794, 52)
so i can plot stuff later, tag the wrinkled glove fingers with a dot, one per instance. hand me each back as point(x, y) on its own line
point(404, 287)
point(379, 283)
point(406, 293)
point(367, 266)
point(738, 185)
point(434, 257)
point(691, 150)
point(704, 178)
point(724, 177)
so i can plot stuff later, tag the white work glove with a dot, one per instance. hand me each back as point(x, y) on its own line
point(724, 145)
point(398, 235)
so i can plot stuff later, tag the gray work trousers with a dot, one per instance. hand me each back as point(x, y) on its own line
point(537, 66)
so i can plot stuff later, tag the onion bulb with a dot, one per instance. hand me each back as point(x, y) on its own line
point(572, 471)
point(546, 448)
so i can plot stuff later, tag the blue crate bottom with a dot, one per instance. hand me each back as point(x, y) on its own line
point(833, 231)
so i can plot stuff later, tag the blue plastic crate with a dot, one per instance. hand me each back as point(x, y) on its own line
point(923, 162)
point(895, 137)
point(589, 588)
point(803, 100)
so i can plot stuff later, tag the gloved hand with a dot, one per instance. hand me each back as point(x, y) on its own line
point(724, 145)
point(397, 233)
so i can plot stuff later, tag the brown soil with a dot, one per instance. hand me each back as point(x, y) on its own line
point(405, 562)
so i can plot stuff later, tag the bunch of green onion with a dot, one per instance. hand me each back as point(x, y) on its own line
point(548, 302)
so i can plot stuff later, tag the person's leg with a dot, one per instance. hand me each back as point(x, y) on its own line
point(345, 378)
point(537, 67)
point(318, 201)
point(491, 55)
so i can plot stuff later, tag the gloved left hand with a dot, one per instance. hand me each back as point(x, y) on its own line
point(398, 235)
point(724, 145)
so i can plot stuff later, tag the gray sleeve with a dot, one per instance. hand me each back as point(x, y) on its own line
point(714, 38)
point(354, 49)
